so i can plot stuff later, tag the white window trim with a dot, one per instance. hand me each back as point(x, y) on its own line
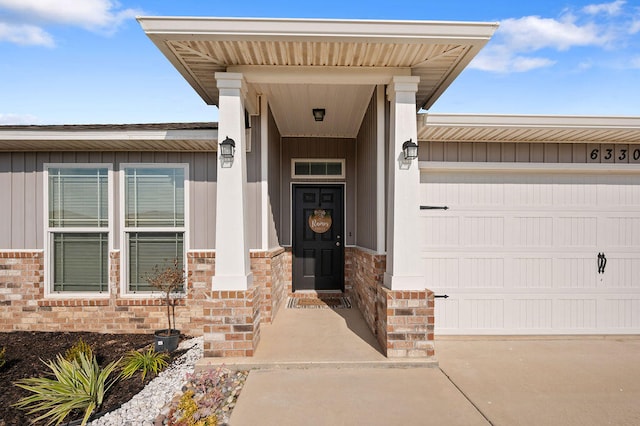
point(124, 230)
point(49, 231)
point(317, 160)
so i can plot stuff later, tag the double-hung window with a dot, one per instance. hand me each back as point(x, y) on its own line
point(153, 206)
point(77, 228)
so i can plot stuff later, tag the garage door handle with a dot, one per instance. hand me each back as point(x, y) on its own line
point(602, 263)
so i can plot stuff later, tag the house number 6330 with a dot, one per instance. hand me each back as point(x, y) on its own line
point(622, 155)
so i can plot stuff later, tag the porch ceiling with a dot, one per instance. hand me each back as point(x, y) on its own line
point(527, 128)
point(435, 51)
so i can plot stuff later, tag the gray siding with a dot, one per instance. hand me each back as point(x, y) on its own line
point(523, 152)
point(366, 167)
point(21, 192)
point(319, 148)
point(275, 176)
point(254, 192)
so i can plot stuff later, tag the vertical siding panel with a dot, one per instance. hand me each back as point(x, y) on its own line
point(42, 211)
point(494, 152)
point(480, 152)
point(579, 153)
point(212, 194)
point(17, 200)
point(465, 151)
point(275, 189)
point(366, 180)
point(30, 202)
point(287, 154)
point(565, 153)
point(550, 152)
point(436, 151)
point(451, 151)
point(198, 202)
point(536, 152)
point(254, 204)
point(6, 194)
point(508, 152)
point(522, 152)
point(350, 229)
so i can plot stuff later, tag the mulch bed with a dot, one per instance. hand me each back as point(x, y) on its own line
point(25, 350)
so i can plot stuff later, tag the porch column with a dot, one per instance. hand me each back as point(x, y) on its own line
point(233, 267)
point(404, 270)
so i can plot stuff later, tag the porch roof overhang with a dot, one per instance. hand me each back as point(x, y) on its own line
point(126, 137)
point(528, 128)
point(302, 63)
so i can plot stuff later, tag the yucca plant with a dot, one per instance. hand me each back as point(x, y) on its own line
point(78, 385)
point(78, 347)
point(145, 362)
point(3, 358)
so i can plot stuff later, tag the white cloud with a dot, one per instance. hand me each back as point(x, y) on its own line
point(635, 27)
point(614, 8)
point(635, 62)
point(26, 35)
point(27, 19)
point(17, 119)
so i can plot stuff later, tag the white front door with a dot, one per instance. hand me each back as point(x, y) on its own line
point(518, 252)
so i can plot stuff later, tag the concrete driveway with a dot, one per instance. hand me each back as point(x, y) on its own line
point(481, 381)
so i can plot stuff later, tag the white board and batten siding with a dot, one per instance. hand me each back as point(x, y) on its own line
point(517, 250)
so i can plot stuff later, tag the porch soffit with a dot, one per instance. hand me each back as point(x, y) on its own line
point(435, 51)
point(528, 128)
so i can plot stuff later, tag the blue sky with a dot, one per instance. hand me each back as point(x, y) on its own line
point(88, 61)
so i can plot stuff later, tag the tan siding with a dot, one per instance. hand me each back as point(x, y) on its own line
point(22, 186)
point(275, 175)
point(318, 148)
point(366, 175)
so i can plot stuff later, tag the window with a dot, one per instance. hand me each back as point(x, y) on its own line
point(316, 169)
point(154, 220)
point(77, 228)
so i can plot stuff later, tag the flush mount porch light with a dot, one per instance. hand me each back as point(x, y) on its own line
point(227, 148)
point(410, 150)
point(318, 114)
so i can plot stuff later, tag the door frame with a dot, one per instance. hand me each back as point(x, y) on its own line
point(292, 216)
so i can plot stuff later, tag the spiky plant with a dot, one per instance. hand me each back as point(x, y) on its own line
point(145, 362)
point(78, 347)
point(3, 358)
point(78, 385)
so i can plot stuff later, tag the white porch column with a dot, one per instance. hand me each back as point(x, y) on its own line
point(404, 265)
point(233, 266)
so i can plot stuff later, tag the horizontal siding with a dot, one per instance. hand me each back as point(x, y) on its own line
point(21, 192)
point(530, 152)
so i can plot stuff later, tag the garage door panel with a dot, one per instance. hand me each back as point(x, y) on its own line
point(483, 231)
point(530, 264)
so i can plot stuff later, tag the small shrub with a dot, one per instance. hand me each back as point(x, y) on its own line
point(3, 359)
point(78, 385)
point(79, 347)
point(145, 362)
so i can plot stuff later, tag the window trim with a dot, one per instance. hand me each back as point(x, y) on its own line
point(49, 232)
point(125, 230)
point(317, 160)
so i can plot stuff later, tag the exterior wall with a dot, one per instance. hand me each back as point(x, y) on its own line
point(275, 176)
point(318, 148)
point(402, 321)
point(22, 185)
point(367, 184)
point(521, 152)
point(254, 186)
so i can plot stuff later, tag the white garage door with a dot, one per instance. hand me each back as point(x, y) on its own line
point(517, 253)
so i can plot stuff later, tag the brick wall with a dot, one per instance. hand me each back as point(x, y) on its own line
point(268, 273)
point(402, 321)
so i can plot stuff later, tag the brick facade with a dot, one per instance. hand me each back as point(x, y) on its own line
point(402, 321)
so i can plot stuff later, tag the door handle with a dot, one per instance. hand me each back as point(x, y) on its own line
point(338, 243)
point(602, 263)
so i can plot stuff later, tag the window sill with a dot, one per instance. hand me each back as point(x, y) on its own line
point(68, 302)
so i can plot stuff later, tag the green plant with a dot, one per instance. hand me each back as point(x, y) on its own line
point(146, 362)
point(79, 347)
point(170, 281)
point(3, 359)
point(78, 385)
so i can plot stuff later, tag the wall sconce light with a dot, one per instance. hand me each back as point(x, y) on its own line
point(227, 148)
point(410, 150)
point(318, 114)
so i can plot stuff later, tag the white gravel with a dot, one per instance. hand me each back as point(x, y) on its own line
point(143, 408)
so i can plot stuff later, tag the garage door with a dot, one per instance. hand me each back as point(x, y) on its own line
point(533, 253)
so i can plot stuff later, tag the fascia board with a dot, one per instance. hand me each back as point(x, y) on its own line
point(36, 135)
point(530, 121)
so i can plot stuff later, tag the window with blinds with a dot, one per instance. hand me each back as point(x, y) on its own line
point(154, 222)
point(78, 234)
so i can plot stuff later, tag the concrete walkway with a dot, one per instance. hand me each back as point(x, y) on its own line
point(324, 367)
